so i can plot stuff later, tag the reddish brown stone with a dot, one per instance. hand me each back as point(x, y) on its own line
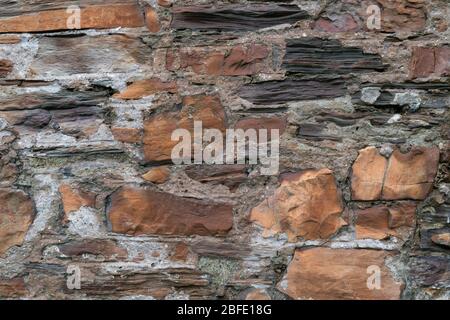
point(9, 40)
point(147, 87)
point(73, 199)
point(16, 215)
point(410, 175)
point(338, 274)
point(157, 175)
point(368, 174)
point(307, 205)
point(92, 17)
point(158, 129)
point(258, 295)
point(381, 222)
point(152, 20)
point(137, 211)
point(6, 67)
point(403, 176)
point(13, 288)
point(428, 62)
point(98, 247)
point(342, 23)
point(127, 135)
point(237, 61)
point(442, 239)
point(403, 15)
point(165, 3)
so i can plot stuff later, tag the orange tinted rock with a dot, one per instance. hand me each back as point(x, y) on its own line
point(165, 3)
point(9, 40)
point(152, 20)
point(368, 174)
point(158, 128)
point(137, 211)
point(147, 87)
point(403, 15)
point(92, 17)
point(410, 175)
point(16, 215)
point(258, 294)
point(427, 62)
point(157, 175)
point(6, 67)
point(73, 199)
point(237, 61)
point(381, 222)
point(127, 135)
point(307, 205)
point(338, 274)
point(13, 288)
point(442, 239)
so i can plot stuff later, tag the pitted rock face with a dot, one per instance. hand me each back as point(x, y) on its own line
point(16, 215)
point(339, 274)
point(307, 205)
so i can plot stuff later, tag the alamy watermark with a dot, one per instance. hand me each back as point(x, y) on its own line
point(209, 146)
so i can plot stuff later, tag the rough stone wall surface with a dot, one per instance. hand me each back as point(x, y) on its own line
point(87, 183)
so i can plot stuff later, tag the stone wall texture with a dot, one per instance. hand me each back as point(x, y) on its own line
point(86, 177)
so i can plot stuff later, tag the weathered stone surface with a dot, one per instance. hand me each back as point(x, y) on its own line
point(108, 249)
point(65, 56)
point(317, 56)
point(158, 128)
point(136, 211)
point(229, 175)
point(157, 175)
point(339, 23)
point(368, 174)
point(237, 61)
point(142, 88)
point(16, 215)
point(91, 17)
point(152, 20)
point(307, 204)
point(235, 17)
point(261, 123)
point(13, 288)
point(403, 176)
point(442, 239)
point(180, 252)
point(403, 15)
point(338, 274)
point(279, 92)
point(258, 295)
point(381, 222)
point(410, 175)
point(426, 62)
point(6, 67)
point(74, 199)
point(127, 135)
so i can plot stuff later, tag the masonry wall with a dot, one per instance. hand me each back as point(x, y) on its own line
point(87, 185)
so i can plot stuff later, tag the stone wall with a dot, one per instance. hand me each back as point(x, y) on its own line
point(87, 185)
